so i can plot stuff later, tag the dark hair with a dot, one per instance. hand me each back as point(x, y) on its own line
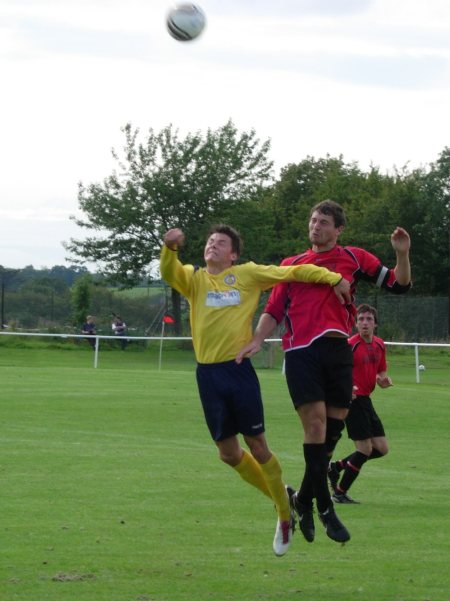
point(236, 240)
point(367, 309)
point(329, 207)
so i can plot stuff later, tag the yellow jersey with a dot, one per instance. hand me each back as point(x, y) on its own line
point(222, 306)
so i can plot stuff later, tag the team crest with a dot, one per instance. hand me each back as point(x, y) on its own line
point(229, 279)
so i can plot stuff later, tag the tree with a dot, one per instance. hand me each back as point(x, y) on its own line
point(437, 221)
point(6, 276)
point(166, 182)
point(300, 187)
point(419, 201)
point(375, 204)
point(81, 298)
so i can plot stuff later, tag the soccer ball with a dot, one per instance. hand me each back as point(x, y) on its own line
point(185, 22)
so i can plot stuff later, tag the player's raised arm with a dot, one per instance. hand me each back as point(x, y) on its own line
point(401, 243)
point(174, 238)
point(176, 274)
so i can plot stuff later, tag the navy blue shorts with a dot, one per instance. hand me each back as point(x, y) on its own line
point(362, 420)
point(321, 371)
point(231, 399)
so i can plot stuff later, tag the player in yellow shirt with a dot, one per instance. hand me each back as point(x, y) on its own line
point(223, 298)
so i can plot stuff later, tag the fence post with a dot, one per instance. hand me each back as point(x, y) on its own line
point(161, 345)
point(97, 340)
point(416, 352)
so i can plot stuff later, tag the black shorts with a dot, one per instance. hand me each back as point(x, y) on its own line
point(362, 420)
point(321, 371)
point(231, 399)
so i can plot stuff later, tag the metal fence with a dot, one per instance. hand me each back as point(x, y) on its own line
point(415, 346)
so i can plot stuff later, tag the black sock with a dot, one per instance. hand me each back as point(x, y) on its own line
point(375, 454)
point(341, 463)
point(316, 460)
point(306, 492)
point(352, 469)
point(334, 433)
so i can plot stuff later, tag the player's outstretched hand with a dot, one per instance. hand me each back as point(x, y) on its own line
point(248, 350)
point(400, 240)
point(174, 238)
point(342, 291)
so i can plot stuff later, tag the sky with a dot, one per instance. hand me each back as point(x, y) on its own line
point(365, 79)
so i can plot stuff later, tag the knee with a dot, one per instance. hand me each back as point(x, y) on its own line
point(315, 430)
point(230, 458)
point(365, 448)
point(334, 433)
point(230, 452)
point(380, 447)
point(258, 448)
point(314, 421)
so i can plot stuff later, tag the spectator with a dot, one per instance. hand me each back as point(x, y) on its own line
point(119, 327)
point(90, 328)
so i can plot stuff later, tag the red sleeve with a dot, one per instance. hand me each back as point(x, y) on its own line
point(278, 299)
point(370, 269)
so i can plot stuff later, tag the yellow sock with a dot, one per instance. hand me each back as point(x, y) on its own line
point(272, 474)
point(250, 471)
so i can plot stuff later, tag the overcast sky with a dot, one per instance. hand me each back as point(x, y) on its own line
point(368, 79)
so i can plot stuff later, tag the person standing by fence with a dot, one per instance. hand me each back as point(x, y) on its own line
point(119, 327)
point(90, 328)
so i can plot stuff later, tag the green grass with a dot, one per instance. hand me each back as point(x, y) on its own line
point(112, 490)
point(42, 352)
point(141, 292)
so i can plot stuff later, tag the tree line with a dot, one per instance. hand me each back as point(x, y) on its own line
point(60, 298)
point(162, 180)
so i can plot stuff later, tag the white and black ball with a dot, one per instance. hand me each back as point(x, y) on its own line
point(185, 22)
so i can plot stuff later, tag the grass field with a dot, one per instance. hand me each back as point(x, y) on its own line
point(112, 490)
point(139, 292)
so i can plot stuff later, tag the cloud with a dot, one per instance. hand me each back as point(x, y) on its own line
point(369, 79)
point(419, 73)
point(35, 242)
point(47, 214)
point(59, 39)
point(356, 43)
point(288, 7)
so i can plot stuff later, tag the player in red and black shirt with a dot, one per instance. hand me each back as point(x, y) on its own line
point(364, 426)
point(318, 359)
